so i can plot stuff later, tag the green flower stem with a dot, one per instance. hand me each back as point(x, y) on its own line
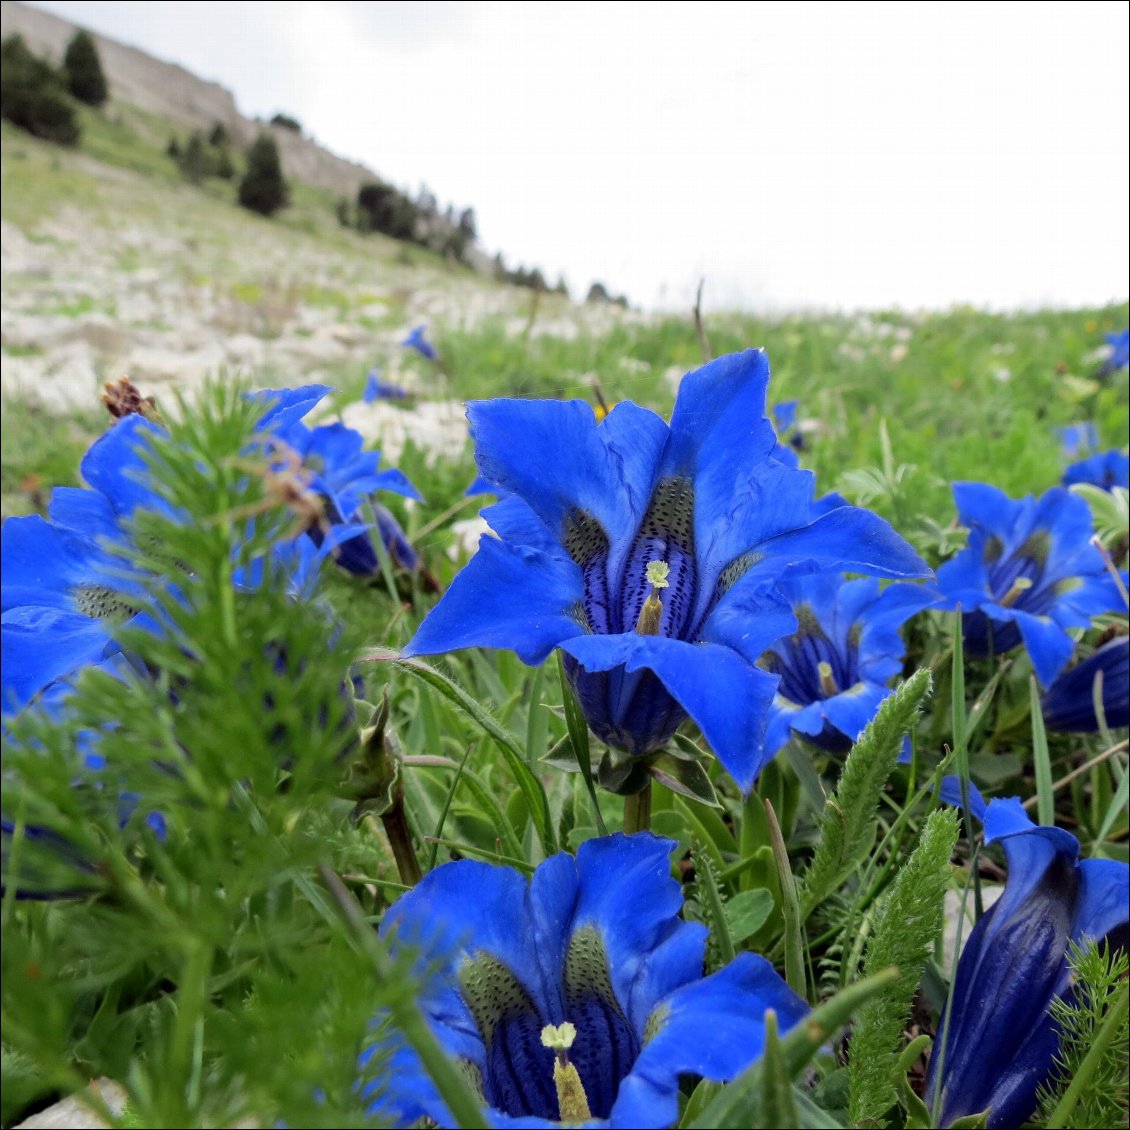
point(395, 822)
point(637, 810)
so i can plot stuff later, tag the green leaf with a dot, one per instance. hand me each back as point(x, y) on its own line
point(847, 826)
point(903, 933)
point(687, 778)
point(1045, 789)
point(778, 1107)
point(529, 784)
point(578, 731)
point(747, 912)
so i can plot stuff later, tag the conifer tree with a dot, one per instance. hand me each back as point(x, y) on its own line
point(83, 69)
point(263, 188)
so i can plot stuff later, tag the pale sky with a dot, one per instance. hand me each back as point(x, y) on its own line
point(796, 155)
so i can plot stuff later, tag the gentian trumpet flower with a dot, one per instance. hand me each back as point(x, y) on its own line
point(649, 554)
point(1028, 573)
point(1000, 1043)
point(574, 997)
point(1069, 703)
point(835, 667)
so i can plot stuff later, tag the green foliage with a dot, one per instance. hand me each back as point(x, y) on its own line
point(1094, 1042)
point(905, 927)
point(263, 188)
point(215, 952)
point(193, 161)
point(847, 826)
point(285, 121)
point(33, 95)
point(83, 69)
point(384, 208)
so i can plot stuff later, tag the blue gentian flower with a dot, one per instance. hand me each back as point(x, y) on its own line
point(346, 478)
point(1078, 439)
point(1000, 1044)
point(376, 389)
point(835, 667)
point(1119, 357)
point(1068, 704)
point(1028, 573)
point(649, 553)
point(63, 585)
point(417, 341)
point(1106, 469)
point(594, 942)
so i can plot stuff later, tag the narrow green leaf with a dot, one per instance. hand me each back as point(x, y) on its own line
point(778, 1107)
point(1045, 787)
point(905, 927)
point(537, 717)
point(529, 784)
point(790, 907)
point(847, 827)
point(579, 736)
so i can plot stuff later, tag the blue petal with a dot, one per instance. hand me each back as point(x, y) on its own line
point(951, 794)
point(627, 892)
point(115, 466)
point(87, 512)
point(725, 694)
point(286, 406)
point(44, 563)
point(721, 441)
point(1049, 646)
point(714, 1028)
point(506, 596)
point(557, 459)
point(43, 644)
point(850, 712)
point(1104, 896)
point(1069, 701)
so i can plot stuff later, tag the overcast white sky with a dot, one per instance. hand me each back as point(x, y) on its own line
point(795, 154)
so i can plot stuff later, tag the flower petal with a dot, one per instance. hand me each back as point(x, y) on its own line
point(555, 457)
point(714, 1028)
point(727, 696)
point(506, 596)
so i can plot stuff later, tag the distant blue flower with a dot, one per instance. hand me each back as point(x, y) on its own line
point(376, 389)
point(595, 942)
point(1107, 469)
point(1000, 1044)
point(63, 586)
point(1078, 439)
point(594, 514)
point(790, 439)
point(835, 667)
point(347, 478)
point(416, 340)
point(1119, 357)
point(1028, 574)
point(1068, 704)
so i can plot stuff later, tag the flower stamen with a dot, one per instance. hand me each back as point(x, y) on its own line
point(828, 685)
point(1020, 586)
point(652, 611)
point(572, 1101)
